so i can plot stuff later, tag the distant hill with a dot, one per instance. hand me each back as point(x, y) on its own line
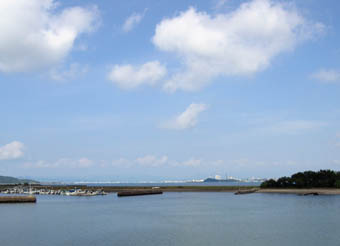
point(12, 180)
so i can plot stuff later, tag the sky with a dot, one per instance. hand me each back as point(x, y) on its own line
point(168, 90)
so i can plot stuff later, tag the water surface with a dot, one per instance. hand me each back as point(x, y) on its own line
point(215, 218)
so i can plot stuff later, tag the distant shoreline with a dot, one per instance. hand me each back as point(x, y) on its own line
point(320, 191)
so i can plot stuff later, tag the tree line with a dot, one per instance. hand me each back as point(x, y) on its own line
point(307, 179)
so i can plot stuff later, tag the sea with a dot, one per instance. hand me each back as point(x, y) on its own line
point(173, 218)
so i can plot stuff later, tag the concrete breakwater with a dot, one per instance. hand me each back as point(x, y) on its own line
point(18, 199)
point(139, 192)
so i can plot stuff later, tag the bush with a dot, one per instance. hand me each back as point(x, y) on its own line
point(307, 179)
point(337, 184)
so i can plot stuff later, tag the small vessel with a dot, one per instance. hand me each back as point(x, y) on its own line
point(242, 192)
point(310, 194)
point(75, 192)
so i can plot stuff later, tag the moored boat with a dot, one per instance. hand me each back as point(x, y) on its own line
point(242, 192)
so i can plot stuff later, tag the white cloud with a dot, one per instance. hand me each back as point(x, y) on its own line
point(35, 35)
point(191, 163)
point(291, 163)
point(151, 160)
point(241, 42)
point(155, 161)
point(132, 21)
point(146, 161)
point(188, 118)
point(121, 162)
point(244, 162)
point(327, 75)
point(217, 163)
point(293, 127)
point(220, 4)
point(81, 47)
point(84, 162)
point(61, 163)
point(241, 162)
point(13, 150)
point(130, 77)
point(337, 135)
point(74, 70)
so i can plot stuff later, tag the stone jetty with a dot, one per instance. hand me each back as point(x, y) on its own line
point(139, 192)
point(18, 199)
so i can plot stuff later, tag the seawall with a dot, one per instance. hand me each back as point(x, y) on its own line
point(18, 199)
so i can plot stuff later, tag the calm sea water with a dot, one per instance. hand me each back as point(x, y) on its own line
point(173, 219)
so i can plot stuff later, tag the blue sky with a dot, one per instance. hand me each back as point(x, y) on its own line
point(155, 90)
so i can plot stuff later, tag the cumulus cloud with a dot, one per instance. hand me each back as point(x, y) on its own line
point(121, 162)
point(151, 160)
point(220, 4)
point(34, 34)
point(130, 77)
point(327, 75)
point(244, 162)
point(190, 163)
point(293, 126)
point(132, 21)
point(160, 161)
point(145, 161)
point(188, 118)
point(74, 70)
point(13, 150)
point(238, 43)
point(61, 163)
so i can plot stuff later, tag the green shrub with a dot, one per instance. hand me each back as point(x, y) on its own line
point(337, 184)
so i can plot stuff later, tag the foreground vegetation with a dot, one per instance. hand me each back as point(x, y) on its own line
point(307, 179)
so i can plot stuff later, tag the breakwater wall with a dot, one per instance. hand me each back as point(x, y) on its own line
point(139, 193)
point(18, 199)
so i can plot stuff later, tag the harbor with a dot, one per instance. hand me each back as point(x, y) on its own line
point(56, 191)
point(84, 190)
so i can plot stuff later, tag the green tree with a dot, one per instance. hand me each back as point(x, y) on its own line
point(337, 184)
point(307, 179)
